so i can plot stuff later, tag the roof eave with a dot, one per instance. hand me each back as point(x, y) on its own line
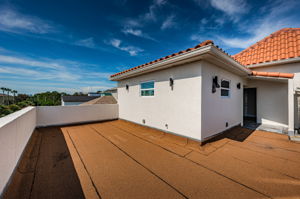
point(273, 63)
point(191, 56)
point(278, 79)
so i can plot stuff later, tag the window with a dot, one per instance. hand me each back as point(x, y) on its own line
point(225, 88)
point(147, 88)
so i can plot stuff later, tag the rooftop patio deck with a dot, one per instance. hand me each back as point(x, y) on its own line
point(118, 159)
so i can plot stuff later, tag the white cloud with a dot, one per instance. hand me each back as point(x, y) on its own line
point(278, 16)
point(132, 50)
point(88, 43)
point(13, 21)
point(29, 62)
point(231, 7)
point(168, 23)
point(149, 16)
point(38, 75)
point(137, 33)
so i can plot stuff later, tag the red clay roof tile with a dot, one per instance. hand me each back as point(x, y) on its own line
point(272, 74)
point(283, 44)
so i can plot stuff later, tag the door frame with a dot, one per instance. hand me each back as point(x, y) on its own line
point(250, 118)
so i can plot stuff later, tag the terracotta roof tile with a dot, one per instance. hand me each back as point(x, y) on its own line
point(283, 44)
point(272, 74)
point(207, 42)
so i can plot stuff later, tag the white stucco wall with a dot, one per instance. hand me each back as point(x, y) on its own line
point(15, 131)
point(288, 68)
point(179, 108)
point(59, 115)
point(115, 95)
point(217, 110)
point(272, 102)
point(284, 68)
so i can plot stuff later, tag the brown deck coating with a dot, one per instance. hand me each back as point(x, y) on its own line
point(119, 159)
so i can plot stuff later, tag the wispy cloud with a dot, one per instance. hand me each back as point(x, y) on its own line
point(168, 23)
point(13, 21)
point(150, 16)
point(231, 7)
point(279, 15)
point(38, 74)
point(29, 62)
point(32, 87)
point(137, 33)
point(41, 68)
point(132, 50)
point(88, 43)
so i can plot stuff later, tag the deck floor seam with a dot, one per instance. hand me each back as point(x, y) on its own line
point(149, 170)
point(229, 178)
point(147, 140)
point(202, 165)
point(198, 164)
point(97, 192)
point(35, 166)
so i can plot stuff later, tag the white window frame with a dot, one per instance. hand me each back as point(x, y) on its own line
point(229, 89)
point(145, 89)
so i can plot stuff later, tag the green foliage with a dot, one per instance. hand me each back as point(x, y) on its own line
point(23, 100)
point(14, 107)
point(22, 104)
point(5, 110)
point(47, 99)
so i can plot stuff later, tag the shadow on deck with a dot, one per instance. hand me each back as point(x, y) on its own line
point(46, 169)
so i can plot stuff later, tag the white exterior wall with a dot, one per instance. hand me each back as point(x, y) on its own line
point(217, 110)
point(15, 131)
point(60, 115)
point(115, 95)
point(288, 68)
point(179, 108)
point(284, 68)
point(272, 102)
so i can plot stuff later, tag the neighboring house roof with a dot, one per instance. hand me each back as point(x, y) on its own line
point(207, 47)
point(272, 74)
point(102, 100)
point(283, 44)
point(78, 98)
point(114, 89)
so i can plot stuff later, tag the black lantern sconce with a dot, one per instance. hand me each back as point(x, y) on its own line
point(215, 84)
point(238, 85)
point(171, 82)
point(127, 87)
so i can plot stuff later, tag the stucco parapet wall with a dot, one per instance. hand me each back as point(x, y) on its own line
point(11, 117)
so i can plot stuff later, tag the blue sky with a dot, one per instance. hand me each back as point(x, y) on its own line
point(72, 46)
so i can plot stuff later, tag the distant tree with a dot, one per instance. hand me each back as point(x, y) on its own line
point(8, 91)
point(22, 97)
point(3, 90)
point(14, 92)
point(79, 94)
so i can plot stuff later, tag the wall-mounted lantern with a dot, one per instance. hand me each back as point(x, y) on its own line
point(238, 85)
point(215, 84)
point(127, 87)
point(171, 82)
